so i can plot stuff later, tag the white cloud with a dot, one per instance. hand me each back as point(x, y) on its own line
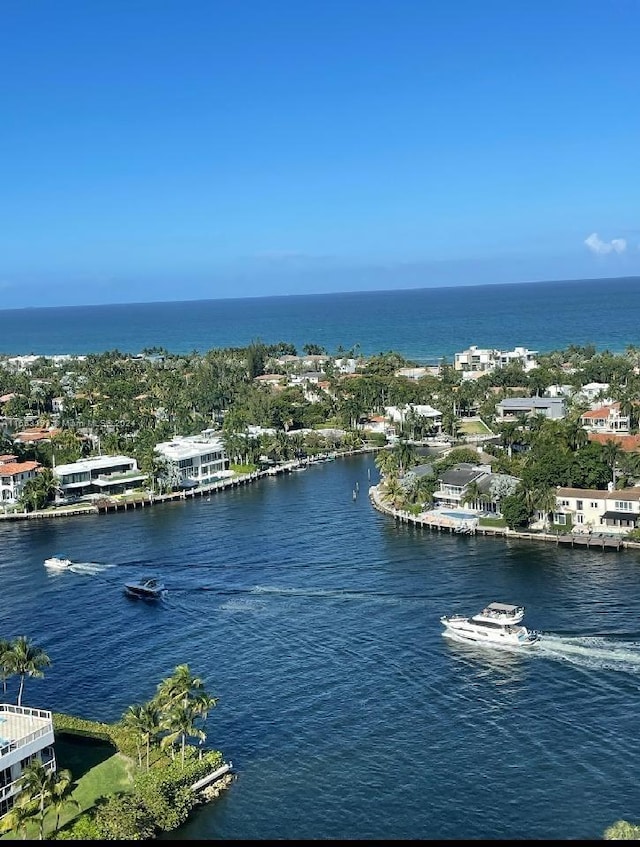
point(601, 248)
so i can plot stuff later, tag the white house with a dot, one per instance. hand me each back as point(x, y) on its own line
point(593, 390)
point(484, 360)
point(25, 734)
point(13, 476)
point(98, 476)
point(557, 390)
point(589, 509)
point(605, 419)
point(195, 459)
point(399, 414)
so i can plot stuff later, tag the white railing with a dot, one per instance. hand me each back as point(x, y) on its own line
point(25, 710)
point(22, 742)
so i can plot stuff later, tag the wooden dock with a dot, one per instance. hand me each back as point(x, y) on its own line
point(435, 523)
point(142, 501)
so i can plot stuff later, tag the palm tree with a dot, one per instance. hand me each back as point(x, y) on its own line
point(26, 660)
point(145, 722)
point(61, 789)
point(472, 493)
point(132, 719)
point(182, 685)
point(150, 724)
point(611, 452)
point(405, 454)
point(545, 501)
point(386, 461)
point(393, 490)
point(20, 816)
point(509, 434)
point(180, 723)
point(37, 784)
point(424, 489)
point(5, 665)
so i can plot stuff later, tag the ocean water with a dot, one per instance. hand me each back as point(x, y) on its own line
point(345, 711)
point(422, 324)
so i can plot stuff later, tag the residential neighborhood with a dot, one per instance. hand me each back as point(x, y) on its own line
point(99, 429)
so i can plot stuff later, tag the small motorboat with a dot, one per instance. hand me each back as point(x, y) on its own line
point(58, 562)
point(148, 588)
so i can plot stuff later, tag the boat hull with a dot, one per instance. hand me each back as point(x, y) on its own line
point(149, 589)
point(466, 631)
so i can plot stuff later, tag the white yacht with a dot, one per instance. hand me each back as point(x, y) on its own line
point(496, 624)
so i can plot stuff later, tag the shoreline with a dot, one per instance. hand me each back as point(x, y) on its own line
point(151, 499)
point(601, 542)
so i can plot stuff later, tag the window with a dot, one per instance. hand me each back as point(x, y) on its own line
point(579, 505)
point(579, 518)
point(623, 505)
point(560, 518)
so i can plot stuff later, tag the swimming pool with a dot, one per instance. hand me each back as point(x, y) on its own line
point(461, 516)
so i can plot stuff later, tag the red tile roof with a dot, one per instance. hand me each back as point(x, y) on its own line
point(36, 434)
point(628, 443)
point(13, 468)
point(602, 412)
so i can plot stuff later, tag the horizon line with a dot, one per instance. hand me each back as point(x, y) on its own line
point(566, 281)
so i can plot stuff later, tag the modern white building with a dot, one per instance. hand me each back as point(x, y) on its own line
point(399, 414)
point(25, 734)
point(478, 360)
point(195, 459)
point(98, 476)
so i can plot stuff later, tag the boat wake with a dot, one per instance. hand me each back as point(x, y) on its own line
point(89, 567)
point(594, 651)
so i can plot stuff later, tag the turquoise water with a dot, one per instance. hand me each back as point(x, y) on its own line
point(458, 514)
point(422, 324)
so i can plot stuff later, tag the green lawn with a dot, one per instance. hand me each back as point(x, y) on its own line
point(474, 427)
point(98, 771)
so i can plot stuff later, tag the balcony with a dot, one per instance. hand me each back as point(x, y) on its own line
point(23, 731)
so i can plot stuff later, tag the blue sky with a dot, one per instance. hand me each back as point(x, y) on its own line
point(203, 148)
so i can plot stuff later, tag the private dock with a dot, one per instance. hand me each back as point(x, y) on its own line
point(442, 523)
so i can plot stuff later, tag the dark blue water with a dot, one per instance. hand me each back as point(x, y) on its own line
point(315, 620)
point(422, 324)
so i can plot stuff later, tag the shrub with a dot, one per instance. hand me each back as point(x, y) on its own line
point(166, 791)
point(622, 831)
point(82, 828)
point(124, 817)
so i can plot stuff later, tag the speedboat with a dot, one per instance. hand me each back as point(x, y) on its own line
point(148, 588)
point(58, 562)
point(496, 624)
